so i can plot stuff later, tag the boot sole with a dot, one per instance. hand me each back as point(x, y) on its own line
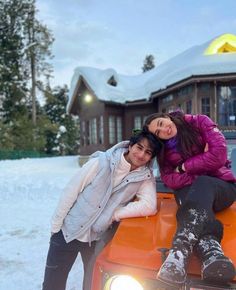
point(171, 283)
point(221, 270)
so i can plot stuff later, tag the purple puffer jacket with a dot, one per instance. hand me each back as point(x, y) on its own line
point(213, 162)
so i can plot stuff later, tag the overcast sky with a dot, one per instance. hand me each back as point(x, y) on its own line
point(120, 33)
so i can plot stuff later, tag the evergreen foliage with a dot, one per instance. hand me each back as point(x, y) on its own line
point(148, 63)
point(64, 135)
point(13, 82)
point(25, 72)
point(23, 135)
point(37, 51)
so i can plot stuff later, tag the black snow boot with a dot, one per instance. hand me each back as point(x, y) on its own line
point(190, 224)
point(216, 267)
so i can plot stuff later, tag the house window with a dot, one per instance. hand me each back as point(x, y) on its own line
point(119, 129)
point(88, 137)
point(227, 105)
point(101, 131)
point(111, 124)
point(137, 122)
point(204, 87)
point(206, 106)
point(185, 90)
point(170, 109)
point(93, 131)
point(112, 81)
point(83, 134)
point(189, 107)
point(167, 98)
point(144, 118)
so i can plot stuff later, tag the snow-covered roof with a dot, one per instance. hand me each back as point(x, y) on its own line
point(199, 60)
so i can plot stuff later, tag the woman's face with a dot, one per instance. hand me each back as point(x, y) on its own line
point(163, 128)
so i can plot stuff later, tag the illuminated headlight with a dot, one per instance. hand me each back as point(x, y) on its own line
point(123, 282)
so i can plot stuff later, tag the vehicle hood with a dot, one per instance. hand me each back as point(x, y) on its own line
point(143, 242)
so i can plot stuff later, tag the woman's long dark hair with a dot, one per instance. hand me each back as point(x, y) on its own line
point(187, 134)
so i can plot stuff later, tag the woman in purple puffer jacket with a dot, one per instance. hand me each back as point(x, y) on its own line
point(193, 162)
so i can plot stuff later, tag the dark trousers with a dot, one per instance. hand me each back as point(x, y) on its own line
point(60, 259)
point(209, 193)
point(99, 246)
point(62, 255)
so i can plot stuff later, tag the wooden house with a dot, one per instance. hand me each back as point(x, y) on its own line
point(201, 80)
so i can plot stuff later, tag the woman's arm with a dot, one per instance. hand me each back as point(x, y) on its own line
point(216, 154)
point(174, 179)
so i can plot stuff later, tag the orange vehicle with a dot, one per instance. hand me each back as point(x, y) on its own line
point(139, 247)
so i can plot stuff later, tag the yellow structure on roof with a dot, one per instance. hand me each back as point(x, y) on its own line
point(225, 43)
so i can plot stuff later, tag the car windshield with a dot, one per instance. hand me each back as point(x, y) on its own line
point(231, 146)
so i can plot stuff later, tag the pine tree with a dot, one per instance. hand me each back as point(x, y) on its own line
point(38, 42)
point(13, 85)
point(148, 63)
point(64, 135)
point(24, 51)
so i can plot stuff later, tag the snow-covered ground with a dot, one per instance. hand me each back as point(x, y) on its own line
point(29, 192)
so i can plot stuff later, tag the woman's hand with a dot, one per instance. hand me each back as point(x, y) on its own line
point(177, 169)
point(180, 168)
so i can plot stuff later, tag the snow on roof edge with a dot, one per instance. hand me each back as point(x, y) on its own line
point(138, 87)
